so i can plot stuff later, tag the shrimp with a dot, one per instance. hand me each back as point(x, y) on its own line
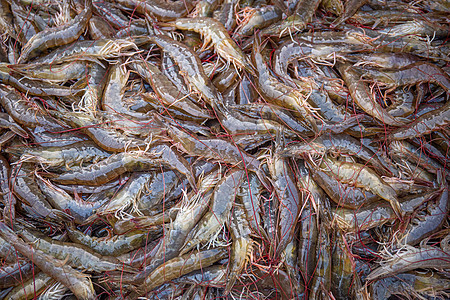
point(77, 282)
point(115, 246)
point(191, 210)
point(77, 256)
point(412, 74)
point(128, 195)
point(108, 139)
point(57, 36)
point(215, 33)
point(364, 177)
point(25, 187)
point(412, 284)
point(110, 168)
point(113, 93)
point(437, 213)
point(411, 259)
point(13, 273)
point(278, 93)
point(258, 18)
point(93, 50)
point(7, 197)
point(191, 66)
point(26, 112)
point(342, 269)
point(79, 209)
point(337, 144)
point(164, 10)
point(213, 148)
point(288, 198)
point(321, 281)
point(180, 266)
point(376, 214)
point(59, 73)
point(241, 247)
point(222, 200)
point(31, 288)
point(363, 97)
point(167, 92)
point(425, 124)
point(250, 196)
point(75, 154)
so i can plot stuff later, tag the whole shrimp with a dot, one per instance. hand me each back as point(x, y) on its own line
point(278, 93)
point(77, 282)
point(222, 200)
point(364, 177)
point(180, 266)
point(214, 32)
point(411, 259)
point(438, 212)
point(57, 36)
point(288, 198)
point(425, 124)
point(110, 168)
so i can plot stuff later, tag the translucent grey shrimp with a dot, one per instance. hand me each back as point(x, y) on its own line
point(425, 124)
point(77, 282)
point(250, 196)
point(12, 274)
point(191, 66)
point(75, 154)
point(278, 93)
point(344, 195)
point(79, 209)
point(128, 195)
point(222, 200)
point(258, 18)
point(113, 246)
point(405, 151)
point(321, 281)
point(416, 73)
point(416, 284)
point(215, 149)
point(162, 9)
point(336, 144)
point(26, 189)
point(59, 73)
point(376, 214)
point(215, 33)
point(110, 168)
point(77, 256)
point(288, 198)
point(167, 92)
point(7, 197)
point(108, 139)
point(411, 259)
point(192, 208)
point(363, 97)
point(437, 213)
point(31, 288)
point(241, 246)
point(7, 122)
point(113, 93)
point(57, 36)
point(37, 87)
point(364, 177)
point(26, 112)
point(93, 50)
point(180, 266)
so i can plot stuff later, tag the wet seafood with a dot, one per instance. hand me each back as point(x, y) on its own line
point(224, 149)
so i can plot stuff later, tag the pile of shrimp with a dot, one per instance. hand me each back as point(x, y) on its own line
point(224, 149)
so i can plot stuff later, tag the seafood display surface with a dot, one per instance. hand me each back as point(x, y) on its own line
point(224, 149)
